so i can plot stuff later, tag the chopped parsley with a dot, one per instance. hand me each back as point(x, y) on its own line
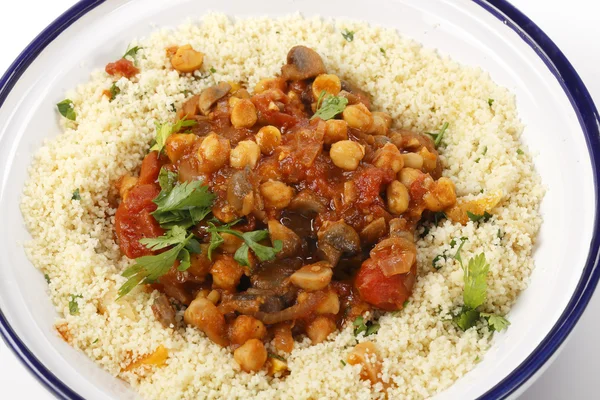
point(95, 341)
point(276, 356)
point(67, 109)
point(343, 363)
point(76, 195)
point(360, 326)
point(329, 106)
point(132, 52)
point(438, 216)
point(212, 70)
point(47, 278)
point(490, 102)
point(484, 150)
point(348, 35)
point(485, 217)
point(406, 302)
point(437, 259)
point(499, 234)
point(114, 91)
point(382, 50)
point(437, 137)
point(251, 242)
point(73, 305)
point(165, 129)
point(520, 152)
point(172, 107)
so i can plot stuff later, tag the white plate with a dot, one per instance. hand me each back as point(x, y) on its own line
point(562, 126)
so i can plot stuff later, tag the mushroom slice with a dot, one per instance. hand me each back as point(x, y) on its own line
point(341, 236)
point(375, 230)
point(302, 63)
point(306, 202)
point(211, 95)
point(239, 192)
point(290, 240)
point(163, 311)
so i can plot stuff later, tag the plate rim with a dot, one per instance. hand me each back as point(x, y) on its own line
point(555, 61)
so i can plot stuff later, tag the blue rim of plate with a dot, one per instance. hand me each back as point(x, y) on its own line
point(556, 62)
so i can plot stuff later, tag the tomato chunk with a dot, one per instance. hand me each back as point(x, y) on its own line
point(150, 168)
point(133, 220)
point(387, 293)
point(122, 67)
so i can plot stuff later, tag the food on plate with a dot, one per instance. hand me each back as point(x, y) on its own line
point(318, 218)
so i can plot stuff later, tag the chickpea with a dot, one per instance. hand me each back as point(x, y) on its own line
point(177, 144)
point(358, 116)
point(441, 195)
point(245, 328)
point(213, 153)
point(186, 59)
point(204, 315)
point(408, 175)
point(389, 157)
point(242, 94)
point(381, 124)
point(366, 354)
point(268, 138)
point(412, 160)
point(270, 83)
point(276, 367)
point(331, 304)
point(397, 197)
point(276, 195)
point(246, 153)
point(320, 328)
point(243, 114)
point(429, 159)
point(251, 356)
point(226, 273)
point(335, 130)
point(327, 83)
point(347, 154)
point(214, 296)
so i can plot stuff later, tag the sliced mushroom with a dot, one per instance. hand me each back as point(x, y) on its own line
point(239, 191)
point(290, 240)
point(189, 108)
point(341, 236)
point(313, 277)
point(375, 230)
point(327, 252)
point(302, 63)
point(163, 311)
point(307, 202)
point(354, 94)
point(211, 95)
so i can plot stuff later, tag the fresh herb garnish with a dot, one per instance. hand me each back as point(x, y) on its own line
point(499, 234)
point(73, 306)
point(67, 109)
point(437, 137)
point(406, 302)
point(95, 341)
point(437, 259)
point(165, 129)
point(496, 322)
point(76, 195)
point(184, 204)
point(173, 236)
point(348, 35)
point(276, 356)
point(212, 70)
point(148, 269)
point(343, 363)
point(132, 52)
point(520, 152)
point(484, 150)
point(172, 107)
point(490, 102)
point(361, 326)
point(329, 106)
point(251, 241)
point(382, 50)
point(485, 217)
point(47, 278)
point(114, 91)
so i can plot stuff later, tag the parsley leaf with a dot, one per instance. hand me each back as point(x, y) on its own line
point(73, 305)
point(475, 276)
point(490, 102)
point(276, 356)
point(436, 260)
point(148, 269)
point(165, 129)
point(47, 278)
point(348, 35)
point(437, 137)
point(76, 195)
point(212, 70)
point(361, 326)
point(175, 235)
point(496, 322)
point(476, 217)
point(520, 152)
point(67, 109)
point(329, 106)
point(114, 91)
point(382, 50)
point(467, 318)
point(132, 52)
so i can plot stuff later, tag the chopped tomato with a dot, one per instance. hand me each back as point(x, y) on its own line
point(133, 220)
point(122, 67)
point(270, 115)
point(150, 168)
point(387, 293)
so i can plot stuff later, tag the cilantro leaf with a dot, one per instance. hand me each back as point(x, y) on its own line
point(467, 318)
point(348, 35)
point(361, 326)
point(67, 109)
point(167, 179)
point(148, 269)
point(436, 260)
point(132, 52)
point(343, 363)
point(457, 255)
point(475, 277)
point(490, 102)
point(175, 235)
point(114, 91)
point(476, 217)
point(496, 322)
point(73, 305)
point(47, 278)
point(76, 195)
point(329, 106)
point(212, 70)
point(164, 130)
point(520, 152)
point(437, 137)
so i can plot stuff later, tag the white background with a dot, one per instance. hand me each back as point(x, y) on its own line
point(574, 26)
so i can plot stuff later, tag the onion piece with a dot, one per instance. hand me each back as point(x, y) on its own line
point(395, 255)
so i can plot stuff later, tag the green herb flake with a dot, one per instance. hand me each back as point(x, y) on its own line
point(382, 50)
point(47, 278)
point(496, 322)
point(435, 262)
point(520, 152)
point(76, 195)
point(164, 130)
point(67, 109)
point(485, 217)
point(499, 234)
point(437, 136)
point(406, 302)
point(172, 107)
point(348, 35)
point(73, 305)
point(490, 102)
point(438, 216)
point(329, 106)
point(276, 356)
point(114, 91)
point(484, 150)
point(360, 326)
point(212, 70)
point(132, 52)
point(467, 318)
point(95, 341)
point(343, 363)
